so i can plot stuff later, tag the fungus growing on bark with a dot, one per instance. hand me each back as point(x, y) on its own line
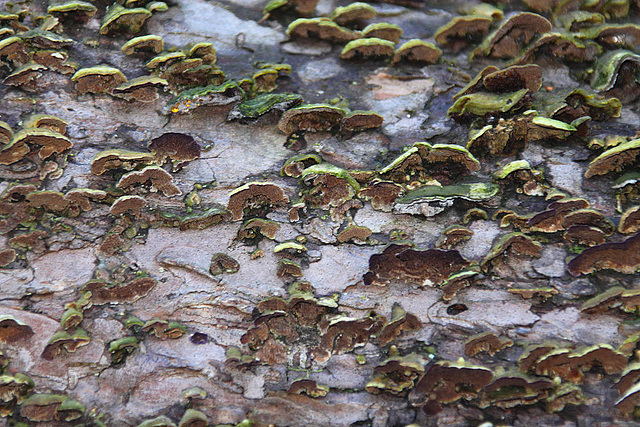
point(98, 79)
point(141, 89)
point(458, 281)
point(353, 13)
point(6, 133)
point(614, 36)
point(398, 263)
point(13, 389)
point(483, 103)
point(342, 334)
point(64, 340)
point(615, 72)
point(354, 233)
point(514, 78)
point(550, 220)
point(585, 235)
point(130, 205)
point(163, 329)
point(200, 221)
point(400, 321)
point(308, 387)
point(629, 400)
point(14, 50)
point(572, 365)
point(320, 28)
point(49, 200)
point(258, 227)
point(416, 51)
point(384, 31)
point(118, 293)
point(311, 118)
point(452, 236)
point(623, 257)
point(121, 348)
point(431, 200)
point(382, 194)
point(118, 19)
point(462, 31)
point(615, 159)
point(370, 48)
point(213, 95)
point(590, 217)
point(46, 121)
point(149, 43)
point(71, 8)
point(12, 330)
point(223, 263)
point(579, 103)
point(289, 269)
point(41, 407)
point(7, 256)
point(512, 36)
point(255, 196)
point(486, 342)
point(358, 121)
point(330, 185)
point(51, 142)
point(25, 77)
point(397, 374)
point(628, 378)
point(71, 318)
point(153, 176)
point(13, 152)
point(630, 221)
point(510, 389)
point(164, 60)
point(263, 104)
point(177, 147)
point(119, 159)
point(602, 302)
point(294, 166)
point(512, 244)
point(194, 418)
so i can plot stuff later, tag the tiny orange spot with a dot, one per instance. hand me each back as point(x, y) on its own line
point(549, 88)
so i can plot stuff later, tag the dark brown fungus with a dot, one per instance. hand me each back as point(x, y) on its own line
point(630, 400)
point(623, 257)
point(358, 121)
point(65, 341)
point(99, 79)
point(370, 48)
point(382, 194)
point(514, 389)
point(399, 263)
point(453, 236)
point(105, 293)
point(163, 329)
point(177, 147)
point(46, 121)
point(51, 142)
point(400, 321)
point(463, 30)
point(308, 387)
point(14, 50)
point(153, 176)
point(141, 89)
point(25, 77)
point(586, 235)
point(615, 159)
point(288, 269)
point(397, 374)
point(7, 256)
point(354, 233)
point(255, 195)
point(342, 334)
point(628, 378)
point(49, 200)
point(630, 221)
point(514, 78)
point(486, 342)
point(604, 301)
point(320, 28)
point(457, 282)
point(512, 244)
point(588, 217)
point(416, 51)
point(30, 241)
point(41, 407)
point(294, 166)
point(550, 220)
point(12, 330)
point(565, 394)
point(131, 205)
point(311, 118)
point(119, 159)
point(223, 263)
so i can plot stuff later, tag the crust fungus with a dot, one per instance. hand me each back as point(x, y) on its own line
point(400, 321)
point(486, 342)
point(585, 235)
point(308, 387)
point(623, 257)
point(320, 28)
point(98, 79)
point(149, 43)
point(263, 104)
point(118, 19)
point(353, 13)
point(431, 200)
point(416, 51)
point(615, 159)
point(602, 302)
point(105, 293)
point(119, 159)
point(255, 196)
point(446, 382)
point(512, 244)
point(141, 89)
point(311, 118)
point(397, 374)
point(331, 186)
point(463, 30)
point(12, 330)
point(543, 293)
point(422, 267)
point(512, 36)
point(154, 176)
point(200, 221)
point(177, 147)
point(213, 95)
point(223, 263)
point(368, 49)
point(49, 200)
point(382, 194)
point(630, 221)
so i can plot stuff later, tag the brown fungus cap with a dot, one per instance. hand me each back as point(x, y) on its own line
point(7, 256)
point(46, 121)
point(154, 176)
point(630, 221)
point(31, 241)
point(458, 281)
point(511, 389)
point(623, 257)
point(353, 13)
point(384, 31)
point(41, 407)
point(119, 159)
point(399, 263)
point(13, 152)
point(382, 194)
point(141, 89)
point(6, 133)
point(512, 244)
point(131, 205)
point(49, 200)
point(358, 121)
point(628, 378)
point(310, 118)
point(343, 334)
point(13, 48)
point(514, 78)
point(453, 236)
point(588, 217)
point(104, 293)
point(255, 195)
point(25, 77)
point(50, 141)
point(400, 321)
point(255, 227)
point(148, 43)
point(416, 51)
point(178, 147)
point(370, 48)
point(615, 159)
point(629, 400)
point(513, 35)
point(12, 330)
point(485, 342)
point(397, 374)
point(308, 387)
point(463, 30)
point(200, 221)
point(586, 235)
point(603, 302)
point(354, 233)
point(320, 28)
point(98, 79)
point(223, 263)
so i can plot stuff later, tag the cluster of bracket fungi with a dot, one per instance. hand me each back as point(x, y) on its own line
point(505, 110)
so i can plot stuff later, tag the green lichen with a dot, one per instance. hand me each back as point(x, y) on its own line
point(224, 94)
point(262, 104)
point(118, 19)
point(481, 103)
point(605, 72)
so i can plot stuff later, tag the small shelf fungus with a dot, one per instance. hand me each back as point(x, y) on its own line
point(201, 220)
point(453, 236)
point(331, 186)
point(156, 178)
point(384, 31)
point(25, 77)
point(370, 48)
point(163, 329)
point(358, 121)
point(255, 196)
point(46, 121)
point(398, 263)
point(213, 95)
point(512, 389)
point(263, 104)
point(416, 51)
point(400, 322)
point(149, 43)
point(397, 374)
point(482, 103)
point(98, 79)
point(431, 200)
point(119, 159)
point(623, 257)
point(65, 341)
point(223, 263)
point(42, 407)
point(512, 36)
point(510, 245)
point(71, 9)
point(50, 142)
point(461, 31)
point(571, 366)
point(353, 13)
point(321, 29)
point(630, 221)
point(179, 148)
point(13, 330)
point(118, 19)
point(381, 194)
point(127, 205)
point(295, 165)
point(311, 118)
point(141, 89)
point(121, 348)
point(308, 387)
point(550, 220)
point(616, 159)
point(615, 75)
point(103, 292)
point(486, 342)
point(14, 50)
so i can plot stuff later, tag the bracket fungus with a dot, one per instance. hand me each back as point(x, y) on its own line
point(50, 141)
point(153, 176)
point(311, 118)
point(384, 31)
point(308, 387)
point(431, 200)
point(118, 19)
point(213, 95)
point(98, 79)
point(623, 257)
point(163, 329)
point(398, 263)
point(141, 89)
point(119, 159)
point(485, 342)
point(353, 13)
point(46, 121)
point(512, 36)
point(463, 30)
point(512, 244)
point(331, 186)
point(400, 321)
point(63, 340)
point(263, 104)
point(615, 159)
point(71, 9)
point(149, 43)
point(483, 103)
point(368, 49)
point(615, 73)
point(121, 348)
point(177, 147)
point(382, 194)
point(13, 330)
point(255, 196)
point(354, 233)
point(223, 263)
point(416, 51)
point(630, 221)
point(358, 120)
point(321, 29)
point(397, 374)
point(25, 77)
point(118, 293)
